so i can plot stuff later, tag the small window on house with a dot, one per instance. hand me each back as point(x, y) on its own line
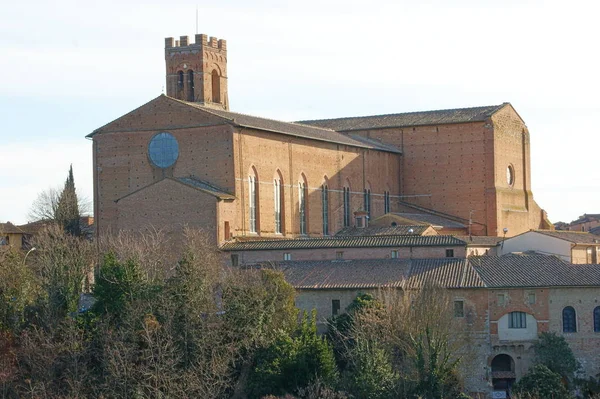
point(501, 300)
point(235, 260)
point(569, 320)
point(360, 222)
point(459, 309)
point(4, 240)
point(394, 253)
point(227, 231)
point(531, 298)
point(449, 253)
point(588, 253)
point(517, 320)
point(335, 307)
point(287, 256)
point(339, 255)
point(597, 319)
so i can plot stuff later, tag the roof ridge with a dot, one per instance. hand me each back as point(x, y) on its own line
point(406, 113)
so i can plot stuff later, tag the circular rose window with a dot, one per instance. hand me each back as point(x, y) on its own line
point(163, 150)
point(510, 175)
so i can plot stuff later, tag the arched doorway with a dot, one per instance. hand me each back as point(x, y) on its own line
point(503, 375)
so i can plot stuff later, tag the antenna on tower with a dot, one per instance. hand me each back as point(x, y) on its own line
point(196, 19)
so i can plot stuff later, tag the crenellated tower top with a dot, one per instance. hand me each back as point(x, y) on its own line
point(197, 72)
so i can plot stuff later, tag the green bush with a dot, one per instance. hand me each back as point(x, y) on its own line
point(541, 382)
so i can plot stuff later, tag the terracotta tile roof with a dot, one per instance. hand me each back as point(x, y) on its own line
point(9, 228)
point(343, 242)
point(328, 274)
point(577, 237)
point(445, 272)
point(481, 241)
point(423, 118)
point(384, 231)
point(295, 129)
point(205, 186)
point(533, 270)
point(509, 271)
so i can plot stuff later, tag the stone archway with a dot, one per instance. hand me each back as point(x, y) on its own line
point(503, 375)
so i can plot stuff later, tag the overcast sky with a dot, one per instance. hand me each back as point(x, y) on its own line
point(69, 67)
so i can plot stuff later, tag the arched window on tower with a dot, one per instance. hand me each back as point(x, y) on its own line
point(325, 205)
point(180, 81)
point(191, 96)
point(216, 86)
point(569, 320)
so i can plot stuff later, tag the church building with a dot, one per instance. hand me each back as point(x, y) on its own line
point(184, 159)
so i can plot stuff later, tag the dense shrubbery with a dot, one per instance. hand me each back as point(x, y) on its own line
point(192, 328)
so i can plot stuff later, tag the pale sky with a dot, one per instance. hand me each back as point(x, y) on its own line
point(69, 67)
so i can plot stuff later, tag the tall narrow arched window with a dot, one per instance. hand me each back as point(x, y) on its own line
point(253, 202)
point(386, 202)
point(569, 320)
point(278, 199)
point(325, 206)
point(367, 201)
point(346, 206)
point(216, 86)
point(180, 80)
point(191, 95)
point(597, 319)
point(302, 207)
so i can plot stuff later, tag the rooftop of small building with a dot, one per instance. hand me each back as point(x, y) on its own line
point(9, 228)
point(385, 230)
point(576, 237)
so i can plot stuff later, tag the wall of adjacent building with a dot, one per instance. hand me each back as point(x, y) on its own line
point(532, 241)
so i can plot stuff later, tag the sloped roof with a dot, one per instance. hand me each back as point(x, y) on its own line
point(533, 270)
point(294, 129)
point(205, 186)
point(423, 118)
point(343, 242)
point(576, 237)
point(445, 272)
point(434, 220)
point(344, 273)
point(9, 228)
point(481, 241)
point(384, 231)
point(595, 230)
point(508, 271)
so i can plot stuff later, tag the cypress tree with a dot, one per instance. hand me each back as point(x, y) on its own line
point(67, 210)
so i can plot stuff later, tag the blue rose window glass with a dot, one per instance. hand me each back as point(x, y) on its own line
point(163, 150)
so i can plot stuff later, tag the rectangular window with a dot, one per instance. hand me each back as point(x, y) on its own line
point(277, 197)
point(346, 207)
point(517, 320)
point(302, 206)
point(252, 202)
point(459, 309)
point(449, 253)
point(287, 256)
point(394, 254)
point(367, 201)
point(235, 260)
point(531, 298)
point(339, 255)
point(501, 299)
point(335, 307)
point(588, 258)
point(4, 240)
point(325, 205)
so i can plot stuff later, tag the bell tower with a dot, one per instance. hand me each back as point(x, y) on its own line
point(197, 72)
